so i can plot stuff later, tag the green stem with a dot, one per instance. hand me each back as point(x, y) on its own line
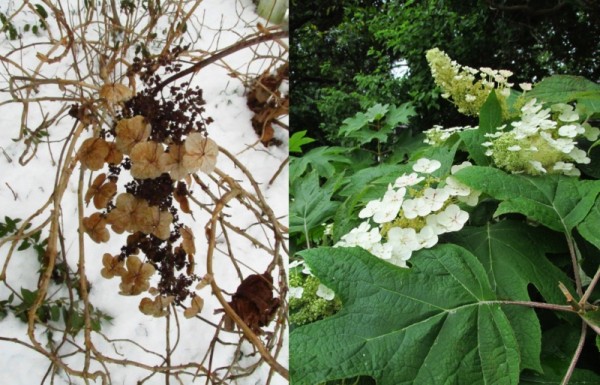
point(576, 269)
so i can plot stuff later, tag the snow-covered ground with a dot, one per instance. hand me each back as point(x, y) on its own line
point(24, 189)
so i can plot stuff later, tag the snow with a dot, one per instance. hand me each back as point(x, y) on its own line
point(132, 335)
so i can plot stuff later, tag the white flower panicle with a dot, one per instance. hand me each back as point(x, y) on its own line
point(543, 141)
point(413, 212)
point(467, 87)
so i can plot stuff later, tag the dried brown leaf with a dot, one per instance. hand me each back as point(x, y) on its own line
point(253, 301)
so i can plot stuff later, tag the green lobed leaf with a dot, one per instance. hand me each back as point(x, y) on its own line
point(514, 256)
point(297, 140)
point(399, 114)
point(435, 323)
point(322, 159)
point(588, 228)
point(568, 88)
point(311, 203)
point(558, 202)
point(490, 117)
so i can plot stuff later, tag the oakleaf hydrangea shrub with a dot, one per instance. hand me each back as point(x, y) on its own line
point(534, 138)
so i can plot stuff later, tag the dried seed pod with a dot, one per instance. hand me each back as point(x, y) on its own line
point(112, 266)
point(95, 227)
point(144, 160)
point(131, 132)
point(93, 152)
point(93, 190)
point(200, 153)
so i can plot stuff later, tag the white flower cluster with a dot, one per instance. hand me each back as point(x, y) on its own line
point(411, 215)
point(437, 135)
point(543, 141)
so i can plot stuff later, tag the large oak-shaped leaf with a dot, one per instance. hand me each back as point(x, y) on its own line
point(558, 202)
point(436, 323)
point(514, 256)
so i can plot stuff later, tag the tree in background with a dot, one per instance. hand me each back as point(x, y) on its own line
point(349, 55)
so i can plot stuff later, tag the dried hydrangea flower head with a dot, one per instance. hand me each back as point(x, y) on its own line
point(131, 132)
point(145, 162)
point(95, 227)
point(200, 153)
point(172, 162)
point(157, 307)
point(105, 194)
point(157, 222)
point(462, 85)
point(136, 279)
point(93, 152)
point(127, 214)
point(114, 93)
point(112, 266)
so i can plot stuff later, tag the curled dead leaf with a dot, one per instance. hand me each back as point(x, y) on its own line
point(145, 160)
point(253, 301)
point(131, 132)
point(136, 279)
point(93, 152)
point(200, 153)
point(95, 227)
point(112, 266)
point(157, 307)
point(187, 240)
point(195, 307)
point(180, 195)
point(104, 194)
point(94, 187)
point(205, 281)
point(115, 93)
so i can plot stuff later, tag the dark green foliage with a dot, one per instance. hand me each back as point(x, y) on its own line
point(344, 51)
